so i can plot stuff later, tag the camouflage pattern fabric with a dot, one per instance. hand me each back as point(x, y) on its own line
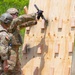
point(12, 11)
point(22, 19)
point(3, 44)
point(27, 24)
point(16, 25)
point(5, 51)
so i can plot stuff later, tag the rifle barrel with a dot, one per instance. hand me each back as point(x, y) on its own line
point(36, 7)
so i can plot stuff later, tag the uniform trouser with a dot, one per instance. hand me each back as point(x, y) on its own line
point(17, 69)
point(1, 67)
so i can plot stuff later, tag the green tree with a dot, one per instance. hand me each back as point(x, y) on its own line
point(19, 4)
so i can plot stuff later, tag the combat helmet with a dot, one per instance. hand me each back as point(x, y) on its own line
point(6, 18)
point(12, 11)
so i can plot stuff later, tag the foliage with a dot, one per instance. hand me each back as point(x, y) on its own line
point(19, 4)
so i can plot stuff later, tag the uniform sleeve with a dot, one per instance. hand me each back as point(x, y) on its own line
point(4, 47)
point(27, 24)
point(22, 19)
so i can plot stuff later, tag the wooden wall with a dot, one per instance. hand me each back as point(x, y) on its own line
point(48, 51)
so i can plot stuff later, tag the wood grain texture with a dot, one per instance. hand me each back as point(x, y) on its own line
point(49, 50)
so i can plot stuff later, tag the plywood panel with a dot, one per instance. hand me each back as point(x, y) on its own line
point(49, 48)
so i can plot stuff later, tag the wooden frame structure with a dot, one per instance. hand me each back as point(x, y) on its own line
point(48, 50)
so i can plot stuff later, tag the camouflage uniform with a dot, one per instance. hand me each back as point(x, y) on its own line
point(17, 24)
point(6, 62)
point(3, 47)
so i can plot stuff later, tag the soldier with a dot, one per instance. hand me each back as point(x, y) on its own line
point(5, 46)
point(15, 28)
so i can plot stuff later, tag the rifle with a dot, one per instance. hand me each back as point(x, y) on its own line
point(40, 14)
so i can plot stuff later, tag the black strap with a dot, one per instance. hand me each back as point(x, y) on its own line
point(3, 31)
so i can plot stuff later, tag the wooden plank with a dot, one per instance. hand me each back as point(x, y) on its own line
point(39, 51)
point(57, 48)
point(36, 71)
point(73, 61)
point(56, 19)
point(51, 71)
point(70, 48)
point(73, 22)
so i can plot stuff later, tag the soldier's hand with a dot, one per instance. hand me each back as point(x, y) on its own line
point(5, 66)
point(39, 14)
point(6, 69)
